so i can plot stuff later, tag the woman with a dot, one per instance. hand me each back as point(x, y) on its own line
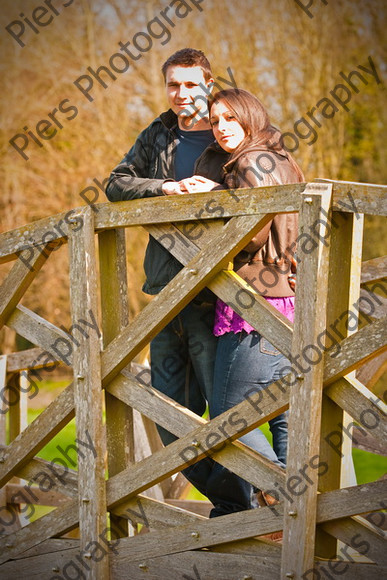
point(245, 360)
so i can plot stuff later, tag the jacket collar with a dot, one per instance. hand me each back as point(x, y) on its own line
point(169, 119)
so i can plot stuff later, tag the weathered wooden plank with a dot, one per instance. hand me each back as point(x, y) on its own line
point(155, 514)
point(372, 305)
point(49, 546)
point(3, 403)
point(199, 565)
point(175, 296)
point(278, 198)
point(262, 547)
point(347, 197)
point(115, 316)
point(19, 279)
point(371, 371)
point(155, 444)
point(31, 358)
point(358, 348)
point(195, 506)
point(180, 208)
point(38, 433)
point(43, 333)
point(58, 521)
point(331, 505)
point(17, 493)
point(88, 395)
point(374, 270)
point(343, 292)
point(17, 410)
point(365, 442)
point(26, 237)
point(209, 566)
point(50, 474)
point(354, 197)
point(357, 533)
point(348, 570)
point(248, 524)
point(305, 398)
point(192, 565)
point(363, 405)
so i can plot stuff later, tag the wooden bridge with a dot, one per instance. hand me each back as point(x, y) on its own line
point(126, 499)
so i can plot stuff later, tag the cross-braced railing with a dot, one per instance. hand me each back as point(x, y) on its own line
point(328, 342)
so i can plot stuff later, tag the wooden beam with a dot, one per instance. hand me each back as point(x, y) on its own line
point(115, 316)
point(374, 270)
point(305, 399)
point(371, 371)
point(51, 474)
point(331, 505)
point(277, 198)
point(363, 406)
point(88, 396)
point(358, 198)
point(20, 278)
point(247, 524)
point(192, 565)
point(17, 493)
point(365, 442)
point(358, 348)
point(37, 434)
point(43, 333)
point(31, 358)
point(359, 535)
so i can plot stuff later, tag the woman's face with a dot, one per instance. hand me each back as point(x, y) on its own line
point(227, 130)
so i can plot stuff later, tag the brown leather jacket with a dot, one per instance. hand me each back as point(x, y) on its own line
point(268, 260)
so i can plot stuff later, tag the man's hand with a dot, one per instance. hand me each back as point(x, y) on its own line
point(196, 184)
point(172, 188)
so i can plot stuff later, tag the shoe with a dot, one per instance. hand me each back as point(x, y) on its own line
point(264, 499)
point(274, 537)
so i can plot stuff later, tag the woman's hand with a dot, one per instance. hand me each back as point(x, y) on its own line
point(197, 184)
point(172, 188)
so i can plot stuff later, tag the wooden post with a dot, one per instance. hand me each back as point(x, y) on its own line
point(88, 400)
point(115, 316)
point(343, 292)
point(3, 405)
point(306, 394)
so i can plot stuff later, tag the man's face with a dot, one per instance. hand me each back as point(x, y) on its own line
point(187, 92)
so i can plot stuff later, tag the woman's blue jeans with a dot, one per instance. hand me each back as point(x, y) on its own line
point(246, 363)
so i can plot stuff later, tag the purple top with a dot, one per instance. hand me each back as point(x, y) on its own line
point(226, 320)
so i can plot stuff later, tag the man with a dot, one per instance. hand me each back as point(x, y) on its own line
point(183, 353)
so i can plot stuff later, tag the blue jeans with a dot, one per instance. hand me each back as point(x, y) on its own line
point(182, 367)
point(249, 363)
point(246, 363)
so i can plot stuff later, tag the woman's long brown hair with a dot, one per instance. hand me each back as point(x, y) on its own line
point(255, 121)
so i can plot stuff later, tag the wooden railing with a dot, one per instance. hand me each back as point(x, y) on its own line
point(320, 503)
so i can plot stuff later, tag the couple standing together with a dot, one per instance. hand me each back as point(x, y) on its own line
point(177, 154)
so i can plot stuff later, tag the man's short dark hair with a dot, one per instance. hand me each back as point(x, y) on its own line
point(188, 57)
